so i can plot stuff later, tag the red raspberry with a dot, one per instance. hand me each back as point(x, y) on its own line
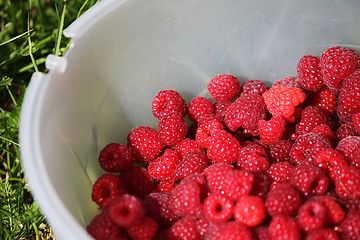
point(282, 200)
point(311, 215)
point(284, 228)
point(106, 188)
point(253, 87)
point(253, 158)
point(223, 147)
point(143, 230)
point(271, 131)
point(347, 181)
point(116, 157)
point(138, 181)
point(206, 127)
point(289, 81)
point(232, 230)
point(356, 122)
point(215, 175)
point(202, 226)
point(311, 117)
point(345, 130)
point(165, 186)
point(245, 112)
point(200, 107)
point(157, 206)
point(334, 212)
point(172, 128)
point(184, 228)
point(328, 158)
point(309, 179)
point(309, 72)
point(193, 162)
point(350, 227)
point(220, 108)
point(336, 64)
point(306, 147)
point(280, 172)
point(282, 100)
point(322, 234)
point(279, 151)
point(350, 148)
point(102, 227)
point(224, 87)
point(126, 210)
point(261, 233)
point(145, 142)
point(325, 131)
point(163, 167)
point(218, 208)
point(250, 211)
point(262, 185)
point(325, 100)
point(185, 199)
point(185, 146)
point(237, 183)
point(213, 231)
point(168, 101)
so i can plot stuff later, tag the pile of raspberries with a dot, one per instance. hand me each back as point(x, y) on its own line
point(251, 162)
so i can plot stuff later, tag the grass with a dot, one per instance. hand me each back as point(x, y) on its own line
point(29, 31)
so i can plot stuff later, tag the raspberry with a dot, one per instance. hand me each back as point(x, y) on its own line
point(143, 230)
point(253, 158)
point(245, 112)
point(311, 117)
point(126, 210)
point(289, 81)
point(220, 108)
point(261, 233)
point(232, 230)
point(215, 175)
point(262, 185)
point(157, 207)
point(334, 212)
point(172, 128)
point(280, 172)
point(250, 211)
point(193, 162)
point(336, 64)
point(218, 208)
point(325, 100)
point(185, 146)
point(347, 181)
point(279, 151)
point(253, 87)
point(138, 181)
point(168, 101)
point(223, 147)
point(237, 183)
point(213, 231)
point(106, 188)
point(282, 200)
point(145, 142)
point(163, 167)
point(311, 215)
point(282, 100)
point(116, 157)
point(356, 122)
point(200, 107)
point(325, 131)
point(271, 131)
point(345, 130)
point(309, 179)
point(224, 87)
point(184, 228)
point(350, 148)
point(306, 147)
point(202, 226)
point(185, 199)
point(309, 72)
point(164, 186)
point(322, 234)
point(102, 227)
point(350, 227)
point(328, 158)
point(284, 228)
point(206, 127)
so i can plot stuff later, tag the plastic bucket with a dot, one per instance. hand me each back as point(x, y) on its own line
point(124, 51)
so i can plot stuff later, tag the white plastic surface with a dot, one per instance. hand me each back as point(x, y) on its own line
point(124, 51)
